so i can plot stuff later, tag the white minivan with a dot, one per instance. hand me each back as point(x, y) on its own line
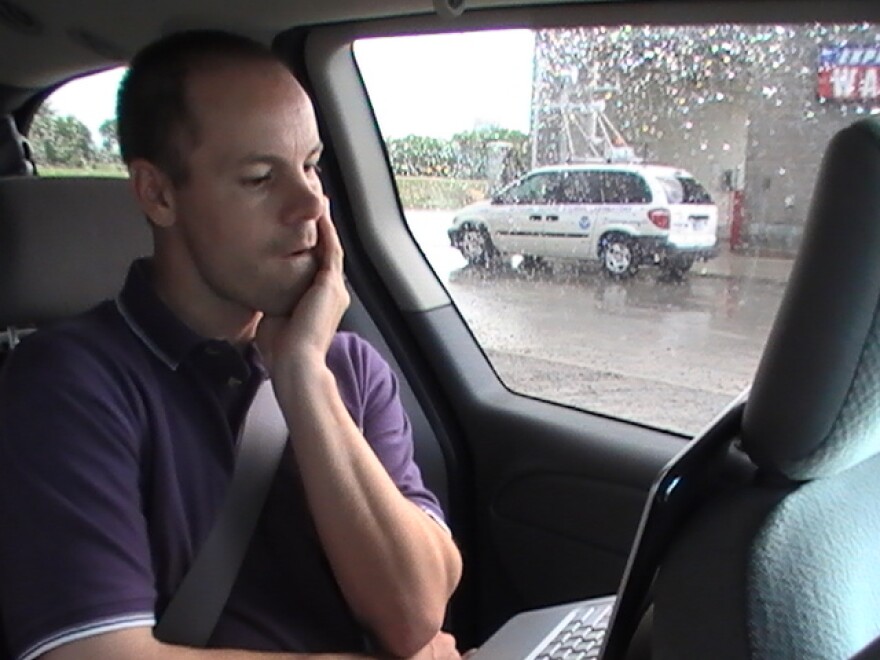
point(623, 215)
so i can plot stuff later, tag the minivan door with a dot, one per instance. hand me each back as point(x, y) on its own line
point(532, 211)
point(580, 217)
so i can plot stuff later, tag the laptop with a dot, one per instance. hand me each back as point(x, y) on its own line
point(603, 627)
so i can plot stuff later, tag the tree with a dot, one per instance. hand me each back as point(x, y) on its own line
point(63, 141)
point(465, 156)
point(416, 155)
point(472, 152)
point(42, 133)
point(109, 139)
point(74, 147)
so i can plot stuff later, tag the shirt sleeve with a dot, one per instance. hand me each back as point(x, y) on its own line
point(74, 551)
point(370, 391)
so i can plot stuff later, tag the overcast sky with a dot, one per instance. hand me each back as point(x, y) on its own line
point(426, 85)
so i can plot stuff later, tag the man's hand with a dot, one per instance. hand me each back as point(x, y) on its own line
point(302, 339)
point(395, 566)
point(442, 647)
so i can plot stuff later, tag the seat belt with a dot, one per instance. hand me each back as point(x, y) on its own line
point(195, 608)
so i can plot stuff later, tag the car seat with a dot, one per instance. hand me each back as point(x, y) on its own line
point(65, 245)
point(786, 565)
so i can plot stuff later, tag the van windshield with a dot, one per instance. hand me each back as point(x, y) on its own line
point(685, 190)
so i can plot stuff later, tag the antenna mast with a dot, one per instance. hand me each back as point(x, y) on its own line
point(585, 118)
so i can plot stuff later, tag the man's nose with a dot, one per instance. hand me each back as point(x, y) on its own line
point(304, 200)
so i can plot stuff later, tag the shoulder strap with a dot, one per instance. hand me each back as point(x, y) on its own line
point(194, 609)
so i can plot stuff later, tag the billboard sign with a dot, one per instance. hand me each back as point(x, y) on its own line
point(849, 73)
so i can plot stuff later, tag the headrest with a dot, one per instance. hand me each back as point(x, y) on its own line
point(14, 159)
point(65, 245)
point(814, 407)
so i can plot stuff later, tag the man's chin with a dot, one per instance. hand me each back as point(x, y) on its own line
point(284, 302)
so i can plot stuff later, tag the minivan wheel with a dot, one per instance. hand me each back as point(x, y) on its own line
point(618, 256)
point(477, 248)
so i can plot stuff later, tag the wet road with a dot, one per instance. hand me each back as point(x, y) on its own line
point(666, 354)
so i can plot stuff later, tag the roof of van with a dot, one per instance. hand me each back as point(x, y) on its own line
point(649, 168)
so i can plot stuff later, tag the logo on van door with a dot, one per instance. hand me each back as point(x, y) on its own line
point(585, 223)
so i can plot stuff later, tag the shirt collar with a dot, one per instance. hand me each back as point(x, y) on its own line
point(169, 338)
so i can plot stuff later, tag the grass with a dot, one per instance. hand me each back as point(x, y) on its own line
point(437, 193)
point(103, 170)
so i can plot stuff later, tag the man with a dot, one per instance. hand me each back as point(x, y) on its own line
point(117, 429)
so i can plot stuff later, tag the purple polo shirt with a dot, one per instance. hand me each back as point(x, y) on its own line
point(117, 437)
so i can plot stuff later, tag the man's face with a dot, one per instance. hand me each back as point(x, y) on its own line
point(245, 219)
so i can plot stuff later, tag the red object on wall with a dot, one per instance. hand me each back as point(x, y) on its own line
point(737, 219)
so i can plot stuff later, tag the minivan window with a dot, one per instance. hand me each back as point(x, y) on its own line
point(694, 193)
point(625, 188)
point(673, 188)
point(536, 189)
point(581, 188)
point(684, 190)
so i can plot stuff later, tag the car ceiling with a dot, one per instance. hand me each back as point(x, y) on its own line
point(63, 38)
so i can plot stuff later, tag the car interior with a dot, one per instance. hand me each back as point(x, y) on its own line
point(771, 555)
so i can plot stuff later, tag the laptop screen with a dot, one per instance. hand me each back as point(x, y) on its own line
point(680, 487)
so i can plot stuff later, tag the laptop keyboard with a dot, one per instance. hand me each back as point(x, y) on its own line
point(581, 638)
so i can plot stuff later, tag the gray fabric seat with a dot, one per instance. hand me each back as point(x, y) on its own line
point(65, 245)
point(788, 565)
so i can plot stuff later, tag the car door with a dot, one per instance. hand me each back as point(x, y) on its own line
point(581, 215)
point(556, 396)
point(627, 201)
point(532, 215)
point(499, 215)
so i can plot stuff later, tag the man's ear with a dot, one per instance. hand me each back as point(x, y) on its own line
point(153, 191)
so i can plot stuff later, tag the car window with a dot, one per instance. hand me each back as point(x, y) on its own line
point(693, 192)
point(73, 132)
point(625, 188)
point(650, 314)
point(581, 188)
point(684, 190)
point(535, 189)
point(674, 189)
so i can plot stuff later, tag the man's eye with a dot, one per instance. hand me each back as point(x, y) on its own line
point(257, 181)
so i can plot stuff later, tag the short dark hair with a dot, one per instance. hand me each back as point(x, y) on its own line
point(151, 107)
